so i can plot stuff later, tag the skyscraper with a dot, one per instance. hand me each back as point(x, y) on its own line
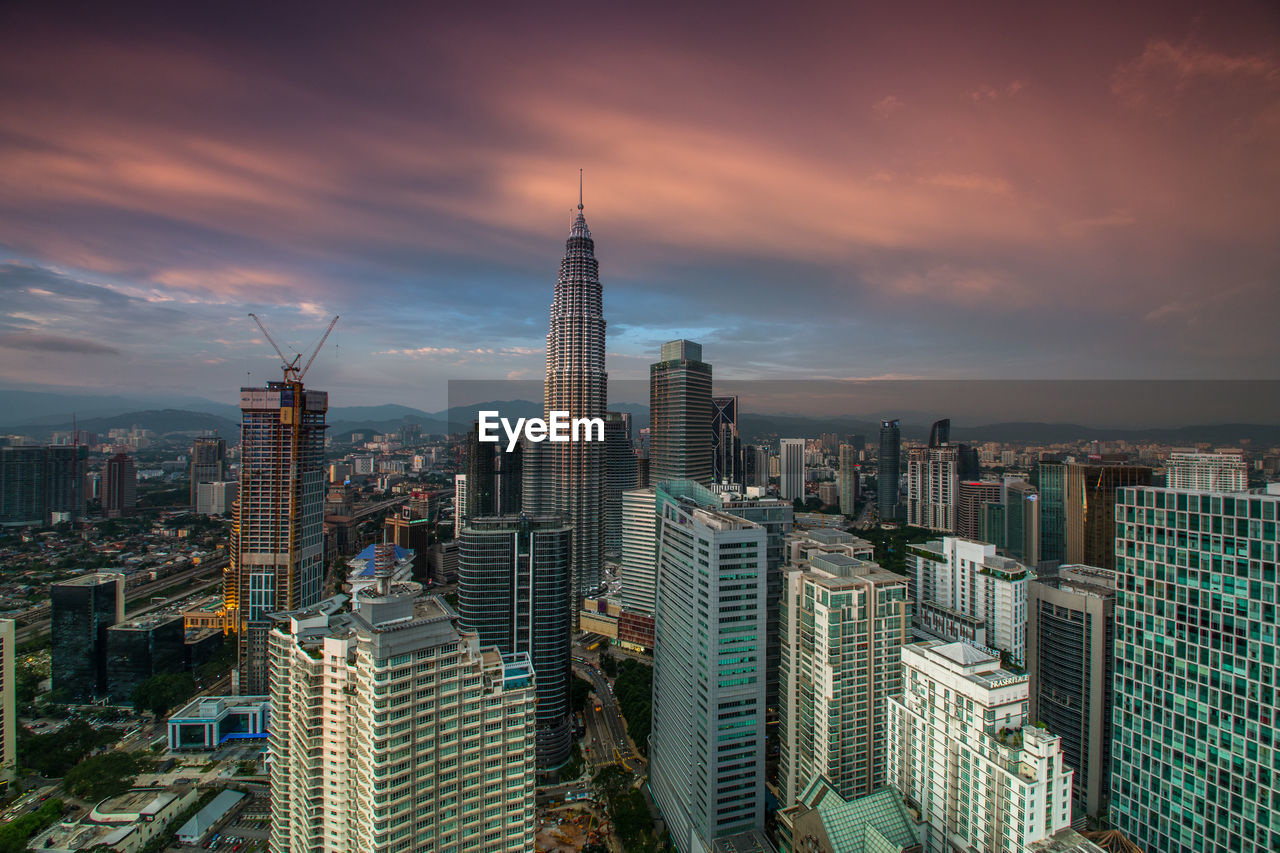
point(621, 475)
point(888, 470)
point(576, 383)
point(1071, 662)
point(837, 611)
point(972, 496)
point(482, 475)
point(1022, 522)
point(277, 538)
point(393, 730)
point(1090, 510)
point(848, 480)
point(119, 486)
point(940, 433)
point(726, 446)
point(513, 593)
point(639, 568)
point(933, 479)
point(81, 611)
point(208, 463)
point(8, 702)
point(1053, 510)
point(707, 742)
point(680, 414)
point(1196, 670)
point(460, 500)
point(791, 468)
point(41, 485)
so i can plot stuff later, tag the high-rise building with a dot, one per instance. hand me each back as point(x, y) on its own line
point(1090, 510)
point(639, 563)
point(1196, 670)
point(963, 750)
point(410, 527)
point(460, 499)
point(141, 648)
point(848, 480)
point(1052, 482)
point(726, 446)
point(1223, 470)
point(621, 475)
point(756, 463)
point(208, 463)
point(1070, 659)
point(972, 496)
point(888, 470)
point(680, 412)
point(8, 702)
point(119, 486)
point(965, 591)
point(844, 621)
point(940, 433)
point(707, 743)
point(791, 468)
point(1022, 522)
point(933, 478)
point(277, 538)
point(217, 498)
point(81, 611)
point(569, 477)
point(393, 730)
point(513, 594)
point(482, 476)
point(42, 485)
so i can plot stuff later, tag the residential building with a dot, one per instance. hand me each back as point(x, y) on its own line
point(791, 468)
point(848, 480)
point(41, 485)
point(81, 610)
point(208, 464)
point(844, 621)
point(932, 487)
point(1224, 470)
point(217, 498)
point(1196, 670)
point(119, 486)
point(277, 535)
point(972, 497)
point(1070, 660)
point(1090, 510)
point(829, 493)
point(392, 729)
point(680, 410)
point(460, 499)
point(888, 470)
point(621, 475)
point(707, 743)
point(513, 594)
point(963, 751)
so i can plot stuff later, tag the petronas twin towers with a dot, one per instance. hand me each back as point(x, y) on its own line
point(568, 478)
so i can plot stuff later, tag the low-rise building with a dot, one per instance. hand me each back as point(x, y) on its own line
point(123, 824)
point(212, 720)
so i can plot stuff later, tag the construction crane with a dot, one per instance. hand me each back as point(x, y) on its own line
point(290, 366)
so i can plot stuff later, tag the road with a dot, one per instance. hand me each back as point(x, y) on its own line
point(606, 732)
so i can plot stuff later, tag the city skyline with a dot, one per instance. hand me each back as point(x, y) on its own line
point(1053, 195)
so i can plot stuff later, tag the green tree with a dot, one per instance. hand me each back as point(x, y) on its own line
point(634, 691)
point(54, 753)
point(104, 775)
point(579, 692)
point(607, 664)
point(15, 834)
point(159, 693)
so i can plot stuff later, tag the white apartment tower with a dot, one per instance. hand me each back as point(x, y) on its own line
point(1224, 470)
point(708, 738)
point(843, 623)
point(962, 749)
point(394, 731)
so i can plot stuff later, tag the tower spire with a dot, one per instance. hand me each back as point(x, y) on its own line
point(579, 189)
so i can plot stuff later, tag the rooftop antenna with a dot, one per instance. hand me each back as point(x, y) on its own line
point(579, 189)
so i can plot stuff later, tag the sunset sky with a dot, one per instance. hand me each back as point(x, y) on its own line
point(933, 190)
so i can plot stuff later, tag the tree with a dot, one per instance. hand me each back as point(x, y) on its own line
point(159, 693)
point(15, 834)
point(607, 664)
point(579, 691)
point(54, 753)
point(104, 775)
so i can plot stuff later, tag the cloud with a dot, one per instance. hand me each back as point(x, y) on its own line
point(1165, 74)
point(54, 344)
point(887, 106)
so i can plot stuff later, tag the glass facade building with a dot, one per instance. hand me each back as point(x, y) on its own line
point(888, 470)
point(81, 611)
point(680, 415)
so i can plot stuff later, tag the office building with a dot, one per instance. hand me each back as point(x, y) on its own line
point(80, 611)
point(848, 480)
point(1090, 510)
point(1224, 470)
point(482, 476)
point(963, 751)
point(119, 486)
point(208, 464)
point(513, 594)
point(1196, 670)
point(141, 648)
point(707, 744)
point(1022, 522)
point(680, 412)
point(844, 621)
point(1070, 654)
point(756, 464)
point(8, 702)
point(933, 481)
point(726, 446)
point(639, 562)
point(971, 497)
point(569, 477)
point(1052, 486)
point(277, 537)
point(791, 468)
point(940, 433)
point(888, 470)
point(391, 729)
point(410, 527)
point(217, 498)
point(41, 485)
point(621, 475)
point(965, 591)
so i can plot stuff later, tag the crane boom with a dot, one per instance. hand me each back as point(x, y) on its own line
point(289, 366)
point(316, 351)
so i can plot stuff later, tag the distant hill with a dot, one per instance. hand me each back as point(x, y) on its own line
point(51, 409)
point(159, 421)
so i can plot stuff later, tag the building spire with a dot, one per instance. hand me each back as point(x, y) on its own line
point(579, 189)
